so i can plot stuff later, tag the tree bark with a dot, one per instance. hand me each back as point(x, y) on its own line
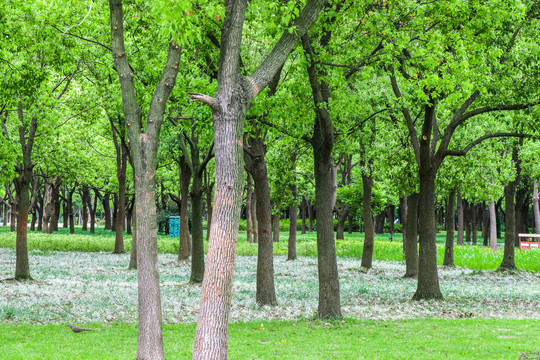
point(185, 238)
point(536, 207)
point(450, 227)
point(303, 211)
point(410, 238)
point(369, 226)
point(229, 106)
point(291, 246)
point(275, 226)
point(343, 213)
point(249, 217)
point(106, 201)
point(460, 216)
point(144, 142)
point(492, 226)
point(474, 210)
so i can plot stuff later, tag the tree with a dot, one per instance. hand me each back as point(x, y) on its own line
point(229, 106)
point(144, 139)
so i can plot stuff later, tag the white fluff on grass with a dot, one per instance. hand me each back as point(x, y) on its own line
point(98, 287)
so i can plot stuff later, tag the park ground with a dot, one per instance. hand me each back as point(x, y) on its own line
point(485, 314)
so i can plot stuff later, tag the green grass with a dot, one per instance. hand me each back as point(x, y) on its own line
point(351, 339)
point(473, 257)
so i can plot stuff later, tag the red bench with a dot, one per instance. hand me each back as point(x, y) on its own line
point(526, 241)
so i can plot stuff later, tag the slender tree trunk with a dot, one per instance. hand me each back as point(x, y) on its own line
point(311, 216)
point(303, 211)
point(536, 208)
point(474, 210)
point(249, 217)
point(208, 191)
point(485, 224)
point(121, 170)
point(403, 215)
point(369, 226)
point(114, 213)
point(93, 209)
point(106, 200)
point(450, 227)
point(508, 262)
point(291, 248)
point(254, 223)
point(410, 238)
point(133, 253)
point(460, 218)
point(185, 239)
point(275, 226)
point(492, 226)
point(22, 265)
point(343, 213)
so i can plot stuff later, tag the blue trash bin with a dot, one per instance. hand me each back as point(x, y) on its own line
point(174, 226)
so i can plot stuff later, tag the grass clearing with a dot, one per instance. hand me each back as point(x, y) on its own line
point(304, 339)
point(468, 256)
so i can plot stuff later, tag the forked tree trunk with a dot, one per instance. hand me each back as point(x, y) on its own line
point(144, 141)
point(229, 106)
point(450, 226)
point(343, 213)
point(410, 238)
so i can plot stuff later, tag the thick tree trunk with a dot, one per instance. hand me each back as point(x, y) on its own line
point(410, 238)
point(428, 278)
point(369, 227)
point(492, 226)
point(291, 246)
point(22, 265)
point(460, 217)
point(450, 227)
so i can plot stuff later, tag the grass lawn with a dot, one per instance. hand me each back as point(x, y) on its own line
point(352, 339)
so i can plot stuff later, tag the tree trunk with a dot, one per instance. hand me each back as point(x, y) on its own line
point(229, 106)
point(129, 217)
point(197, 256)
point(106, 200)
point(508, 262)
point(492, 226)
point(450, 227)
point(311, 216)
point(256, 164)
point(93, 209)
point(249, 217)
point(403, 215)
point(133, 253)
point(69, 206)
point(474, 210)
point(208, 191)
point(303, 212)
point(428, 278)
point(275, 226)
point(369, 226)
point(460, 216)
point(291, 246)
point(536, 208)
point(185, 239)
point(253, 212)
point(410, 238)
point(485, 224)
point(343, 213)
point(390, 215)
point(114, 213)
point(121, 172)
